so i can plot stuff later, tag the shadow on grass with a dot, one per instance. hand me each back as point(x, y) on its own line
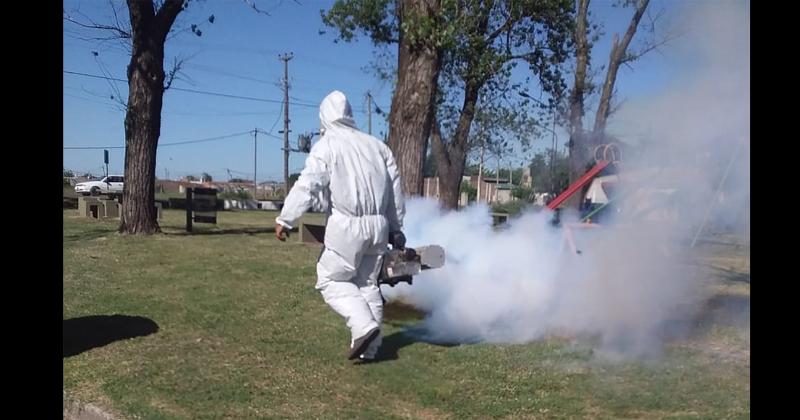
point(406, 317)
point(732, 275)
point(88, 234)
point(726, 310)
point(391, 345)
point(88, 332)
point(70, 202)
point(216, 231)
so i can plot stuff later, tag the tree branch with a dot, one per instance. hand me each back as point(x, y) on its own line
point(177, 66)
point(109, 78)
point(117, 23)
point(653, 45)
point(629, 57)
point(166, 16)
point(617, 106)
point(252, 4)
point(506, 26)
point(118, 30)
point(119, 103)
point(641, 6)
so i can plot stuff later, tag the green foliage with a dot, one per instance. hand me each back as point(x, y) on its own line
point(240, 194)
point(550, 173)
point(472, 192)
point(374, 18)
point(522, 193)
point(67, 175)
point(510, 207)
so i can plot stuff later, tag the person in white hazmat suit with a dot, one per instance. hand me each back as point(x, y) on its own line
point(353, 177)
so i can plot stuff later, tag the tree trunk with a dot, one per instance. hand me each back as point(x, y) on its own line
point(615, 59)
point(143, 116)
point(452, 156)
point(578, 149)
point(449, 174)
point(142, 129)
point(413, 99)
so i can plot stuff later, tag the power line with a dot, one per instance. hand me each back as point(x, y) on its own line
point(304, 103)
point(269, 134)
point(87, 99)
point(214, 70)
point(94, 147)
point(203, 92)
point(207, 139)
point(276, 120)
point(165, 144)
point(112, 107)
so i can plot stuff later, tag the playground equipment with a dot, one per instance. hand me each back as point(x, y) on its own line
point(605, 155)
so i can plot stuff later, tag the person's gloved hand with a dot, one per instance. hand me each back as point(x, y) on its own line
point(397, 240)
point(281, 232)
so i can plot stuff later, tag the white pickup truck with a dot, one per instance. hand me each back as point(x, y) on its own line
point(110, 185)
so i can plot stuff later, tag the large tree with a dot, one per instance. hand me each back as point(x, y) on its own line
point(416, 27)
point(150, 24)
point(491, 38)
point(146, 77)
point(476, 43)
point(578, 149)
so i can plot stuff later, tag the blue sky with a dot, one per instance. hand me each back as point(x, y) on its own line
point(238, 55)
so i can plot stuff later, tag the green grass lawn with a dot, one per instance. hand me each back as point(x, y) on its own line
point(243, 334)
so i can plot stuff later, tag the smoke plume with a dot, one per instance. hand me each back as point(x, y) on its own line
point(631, 279)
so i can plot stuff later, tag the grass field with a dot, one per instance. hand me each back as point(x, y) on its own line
point(225, 323)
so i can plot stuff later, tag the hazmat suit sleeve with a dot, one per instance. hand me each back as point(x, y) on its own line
point(313, 179)
point(397, 205)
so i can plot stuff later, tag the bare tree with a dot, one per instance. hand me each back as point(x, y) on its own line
point(581, 144)
point(150, 25)
point(617, 57)
point(577, 149)
point(146, 84)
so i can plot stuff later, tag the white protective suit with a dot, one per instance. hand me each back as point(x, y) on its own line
point(355, 177)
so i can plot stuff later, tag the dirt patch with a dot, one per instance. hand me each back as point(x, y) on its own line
point(399, 311)
point(75, 411)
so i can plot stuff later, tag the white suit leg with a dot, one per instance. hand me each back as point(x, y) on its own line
point(367, 280)
point(344, 296)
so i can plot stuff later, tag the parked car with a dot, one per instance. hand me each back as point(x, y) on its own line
point(111, 185)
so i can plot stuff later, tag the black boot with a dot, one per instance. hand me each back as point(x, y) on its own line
point(361, 344)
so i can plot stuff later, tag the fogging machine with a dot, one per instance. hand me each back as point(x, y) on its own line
point(401, 264)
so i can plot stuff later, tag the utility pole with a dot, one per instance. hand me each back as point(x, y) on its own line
point(286, 58)
point(554, 152)
point(480, 176)
point(497, 177)
point(369, 112)
point(255, 163)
